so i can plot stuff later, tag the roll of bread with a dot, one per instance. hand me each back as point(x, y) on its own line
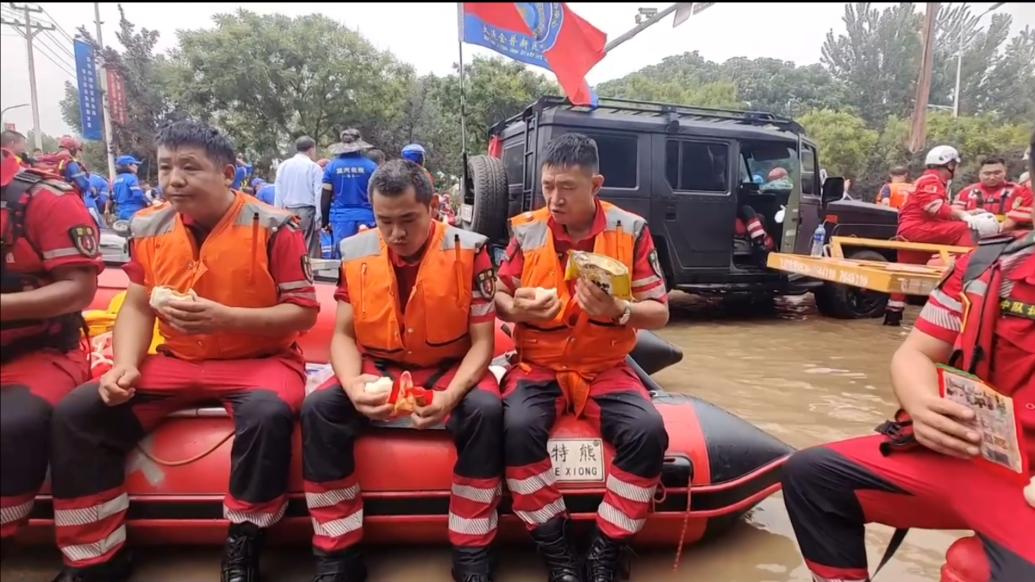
point(162, 295)
point(541, 293)
point(382, 385)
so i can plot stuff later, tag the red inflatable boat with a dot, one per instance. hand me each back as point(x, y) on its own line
point(179, 473)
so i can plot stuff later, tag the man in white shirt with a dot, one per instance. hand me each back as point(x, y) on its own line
point(299, 185)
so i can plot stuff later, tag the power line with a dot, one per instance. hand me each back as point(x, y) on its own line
point(56, 60)
point(57, 43)
point(59, 28)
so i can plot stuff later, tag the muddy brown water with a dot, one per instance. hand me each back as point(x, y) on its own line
point(805, 379)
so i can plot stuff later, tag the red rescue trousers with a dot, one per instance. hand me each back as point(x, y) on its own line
point(331, 424)
point(30, 386)
point(833, 490)
point(90, 441)
point(620, 406)
point(945, 232)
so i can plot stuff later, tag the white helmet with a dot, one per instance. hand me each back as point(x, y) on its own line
point(942, 155)
point(985, 223)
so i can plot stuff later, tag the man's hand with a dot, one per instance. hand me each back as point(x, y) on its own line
point(937, 426)
point(372, 406)
point(435, 413)
point(116, 385)
point(596, 303)
point(197, 317)
point(528, 308)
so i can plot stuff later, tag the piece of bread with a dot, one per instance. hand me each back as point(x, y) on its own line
point(382, 385)
point(605, 272)
point(541, 292)
point(162, 295)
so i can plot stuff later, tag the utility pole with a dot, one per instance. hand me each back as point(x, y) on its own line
point(645, 23)
point(31, 29)
point(918, 132)
point(105, 102)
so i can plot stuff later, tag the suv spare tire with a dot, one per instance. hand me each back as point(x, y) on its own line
point(489, 184)
point(846, 302)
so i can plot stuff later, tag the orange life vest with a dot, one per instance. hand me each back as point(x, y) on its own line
point(572, 344)
point(231, 267)
point(900, 192)
point(434, 327)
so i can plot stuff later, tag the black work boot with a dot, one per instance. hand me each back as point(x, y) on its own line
point(241, 553)
point(892, 317)
point(552, 541)
point(604, 561)
point(472, 565)
point(344, 566)
point(760, 254)
point(117, 569)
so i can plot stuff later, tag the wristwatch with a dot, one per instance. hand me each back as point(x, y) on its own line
point(626, 313)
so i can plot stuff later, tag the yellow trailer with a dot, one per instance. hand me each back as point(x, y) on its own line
point(881, 276)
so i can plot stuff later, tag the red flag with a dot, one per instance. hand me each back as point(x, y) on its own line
point(117, 97)
point(546, 34)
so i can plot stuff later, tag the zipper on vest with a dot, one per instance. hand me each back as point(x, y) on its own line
point(618, 249)
point(458, 271)
point(362, 285)
point(255, 244)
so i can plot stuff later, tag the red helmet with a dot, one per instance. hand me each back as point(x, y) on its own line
point(777, 173)
point(69, 143)
point(9, 168)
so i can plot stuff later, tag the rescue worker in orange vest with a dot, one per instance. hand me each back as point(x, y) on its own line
point(922, 472)
point(896, 191)
point(244, 268)
point(571, 357)
point(50, 260)
point(992, 193)
point(928, 217)
point(414, 295)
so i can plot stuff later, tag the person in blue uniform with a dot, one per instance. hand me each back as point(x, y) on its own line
point(264, 191)
point(345, 180)
point(128, 195)
point(241, 175)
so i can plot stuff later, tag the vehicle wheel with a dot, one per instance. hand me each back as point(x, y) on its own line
point(846, 302)
point(489, 182)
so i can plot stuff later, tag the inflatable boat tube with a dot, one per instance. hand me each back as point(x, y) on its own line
point(178, 474)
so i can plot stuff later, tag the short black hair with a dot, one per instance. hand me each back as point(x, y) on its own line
point(395, 177)
point(305, 143)
point(899, 171)
point(375, 155)
point(189, 132)
point(571, 150)
point(990, 160)
point(10, 137)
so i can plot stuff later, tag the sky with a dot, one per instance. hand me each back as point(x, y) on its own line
point(424, 35)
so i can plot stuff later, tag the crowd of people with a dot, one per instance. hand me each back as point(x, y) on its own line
point(419, 296)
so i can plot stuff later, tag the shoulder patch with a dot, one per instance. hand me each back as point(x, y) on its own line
point(487, 284)
point(84, 239)
point(655, 264)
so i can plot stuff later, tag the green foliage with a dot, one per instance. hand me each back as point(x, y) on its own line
point(845, 143)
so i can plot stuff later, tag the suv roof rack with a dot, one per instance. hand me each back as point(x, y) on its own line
point(670, 111)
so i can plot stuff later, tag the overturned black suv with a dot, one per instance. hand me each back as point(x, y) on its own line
point(687, 170)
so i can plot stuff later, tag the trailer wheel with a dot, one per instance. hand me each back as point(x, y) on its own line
point(846, 302)
point(489, 183)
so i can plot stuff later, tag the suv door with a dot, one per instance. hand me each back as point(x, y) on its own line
point(810, 205)
point(693, 188)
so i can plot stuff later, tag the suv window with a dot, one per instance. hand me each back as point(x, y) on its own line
point(512, 158)
point(618, 160)
point(761, 158)
point(695, 166)
point(808, 170)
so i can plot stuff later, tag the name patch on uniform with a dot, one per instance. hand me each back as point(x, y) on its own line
point(487, 284)
point(1014, 308)
point(84, 239)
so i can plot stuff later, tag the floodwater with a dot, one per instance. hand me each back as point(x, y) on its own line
point(805, 379)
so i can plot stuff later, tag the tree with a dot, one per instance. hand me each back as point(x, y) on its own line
point(845, 143)
point(877, 59)
point(268, 79)
point(780, 87)
point(980, 50)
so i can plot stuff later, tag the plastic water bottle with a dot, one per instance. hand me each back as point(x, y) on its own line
point(819, 238)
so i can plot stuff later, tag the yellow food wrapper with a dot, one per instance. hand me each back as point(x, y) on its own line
point(609, 274)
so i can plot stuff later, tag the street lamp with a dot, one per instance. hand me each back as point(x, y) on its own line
point(6, 109)
point(959, 59)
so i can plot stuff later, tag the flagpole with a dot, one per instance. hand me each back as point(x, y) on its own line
point(463, 100)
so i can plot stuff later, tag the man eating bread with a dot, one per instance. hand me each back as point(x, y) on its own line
point(227, 277)
point(414, 331)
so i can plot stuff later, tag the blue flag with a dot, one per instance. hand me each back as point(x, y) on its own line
point(92, 124)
